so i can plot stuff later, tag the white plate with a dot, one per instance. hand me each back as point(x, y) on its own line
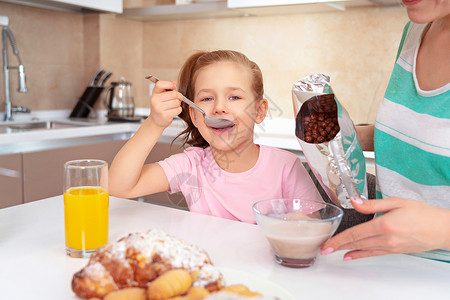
point(255, 283)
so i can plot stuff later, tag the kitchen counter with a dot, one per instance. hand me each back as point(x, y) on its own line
point(35, 266)
point(270, 132)
point(88, 131)
point(275, 132)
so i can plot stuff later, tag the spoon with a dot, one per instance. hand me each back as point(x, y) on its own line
point(210, 121)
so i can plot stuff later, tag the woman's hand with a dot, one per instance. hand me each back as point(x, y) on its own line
point(406, 226)
point(165, 103)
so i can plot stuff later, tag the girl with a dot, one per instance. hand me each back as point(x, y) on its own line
point(224, 172)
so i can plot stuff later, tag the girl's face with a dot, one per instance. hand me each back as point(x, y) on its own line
point(224, 90)
point(425, 11)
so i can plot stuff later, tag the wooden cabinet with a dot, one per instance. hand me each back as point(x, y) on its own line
point(242, 8)
point(156, 13)
point(113, 6)
point(159, 152)
point(43, 170)
point(10, 180)
point(281, 7)
point(31, 176)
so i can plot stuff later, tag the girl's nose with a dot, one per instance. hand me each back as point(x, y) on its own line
point(220, 106)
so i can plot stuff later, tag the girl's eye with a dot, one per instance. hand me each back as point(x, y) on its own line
point(207, 99)
point(235, 98)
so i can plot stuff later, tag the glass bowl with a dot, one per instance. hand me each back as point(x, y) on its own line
point(297, 228)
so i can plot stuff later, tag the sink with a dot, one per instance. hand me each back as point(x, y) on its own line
point(38, 125)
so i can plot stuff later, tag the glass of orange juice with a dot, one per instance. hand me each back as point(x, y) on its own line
point(86, 205)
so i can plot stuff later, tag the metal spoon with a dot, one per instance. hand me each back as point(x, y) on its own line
point(210, 121)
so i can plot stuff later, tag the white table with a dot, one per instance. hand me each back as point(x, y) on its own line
point(33, 263)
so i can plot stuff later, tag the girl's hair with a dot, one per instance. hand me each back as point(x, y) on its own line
point(188, 75)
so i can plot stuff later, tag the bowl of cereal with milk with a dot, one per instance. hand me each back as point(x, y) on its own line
point(296, 228)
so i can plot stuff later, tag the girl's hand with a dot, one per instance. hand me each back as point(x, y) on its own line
point(406, 226)
point(165, 103)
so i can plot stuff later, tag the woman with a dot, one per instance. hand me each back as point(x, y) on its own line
point(412, 147)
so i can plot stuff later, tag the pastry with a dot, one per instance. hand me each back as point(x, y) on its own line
point(240, 289)
point(198, 292)
point(140, 258)
point(127, 294)
point(173, 283)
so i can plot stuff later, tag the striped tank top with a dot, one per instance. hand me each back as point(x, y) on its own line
point(412, 135)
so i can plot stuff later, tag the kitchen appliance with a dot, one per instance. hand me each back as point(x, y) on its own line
point(119, 100)
point(90, 96)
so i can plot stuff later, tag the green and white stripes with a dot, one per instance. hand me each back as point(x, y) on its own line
point(412, 135)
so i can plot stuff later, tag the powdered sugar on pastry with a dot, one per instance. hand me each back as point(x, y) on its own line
point(94, 279)
point(138, 259)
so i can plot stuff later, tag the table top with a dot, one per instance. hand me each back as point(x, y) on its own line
point(34, 264)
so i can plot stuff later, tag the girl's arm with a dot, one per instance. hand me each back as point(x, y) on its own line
point(129, 176)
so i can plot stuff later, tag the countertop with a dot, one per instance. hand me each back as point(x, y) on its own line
point(90, 130)
point(272, 132)
point(35, 266)
point(271, 128)
point(91, 127)
point(275, 132)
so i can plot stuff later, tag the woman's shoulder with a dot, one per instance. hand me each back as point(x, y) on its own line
point(412, 33)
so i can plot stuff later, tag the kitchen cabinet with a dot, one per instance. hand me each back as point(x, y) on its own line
point(31, 161)
point(280, 7)
point(240, 8)
point(43, 170)
point(160, 152)
point(181, 12)
point(10, 180)
point(42, 174)
point(113, 6)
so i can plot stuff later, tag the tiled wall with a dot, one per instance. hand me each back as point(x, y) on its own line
point(51, 48)
point(61, 51)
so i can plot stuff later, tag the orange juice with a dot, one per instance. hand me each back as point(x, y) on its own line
point(86, 217)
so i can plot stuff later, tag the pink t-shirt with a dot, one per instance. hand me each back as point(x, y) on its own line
point(210, 190)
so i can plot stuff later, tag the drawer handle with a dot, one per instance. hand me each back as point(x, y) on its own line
point(9, 173)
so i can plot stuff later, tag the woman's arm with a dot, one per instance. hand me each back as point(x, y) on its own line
point(365, 136)
point(129, 176)
point(407, 226)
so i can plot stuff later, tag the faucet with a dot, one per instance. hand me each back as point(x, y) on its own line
point(9, 108)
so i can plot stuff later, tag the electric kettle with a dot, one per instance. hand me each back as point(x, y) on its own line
point(121, 101)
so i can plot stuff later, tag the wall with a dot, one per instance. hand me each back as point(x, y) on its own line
point(121, 51)
point(51, 48)
point(61, 51)
point(356, 48)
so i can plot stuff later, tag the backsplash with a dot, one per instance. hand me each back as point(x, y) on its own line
point(61, 51)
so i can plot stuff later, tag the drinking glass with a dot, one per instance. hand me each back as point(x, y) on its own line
point(296, 228)
point(86, 205)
